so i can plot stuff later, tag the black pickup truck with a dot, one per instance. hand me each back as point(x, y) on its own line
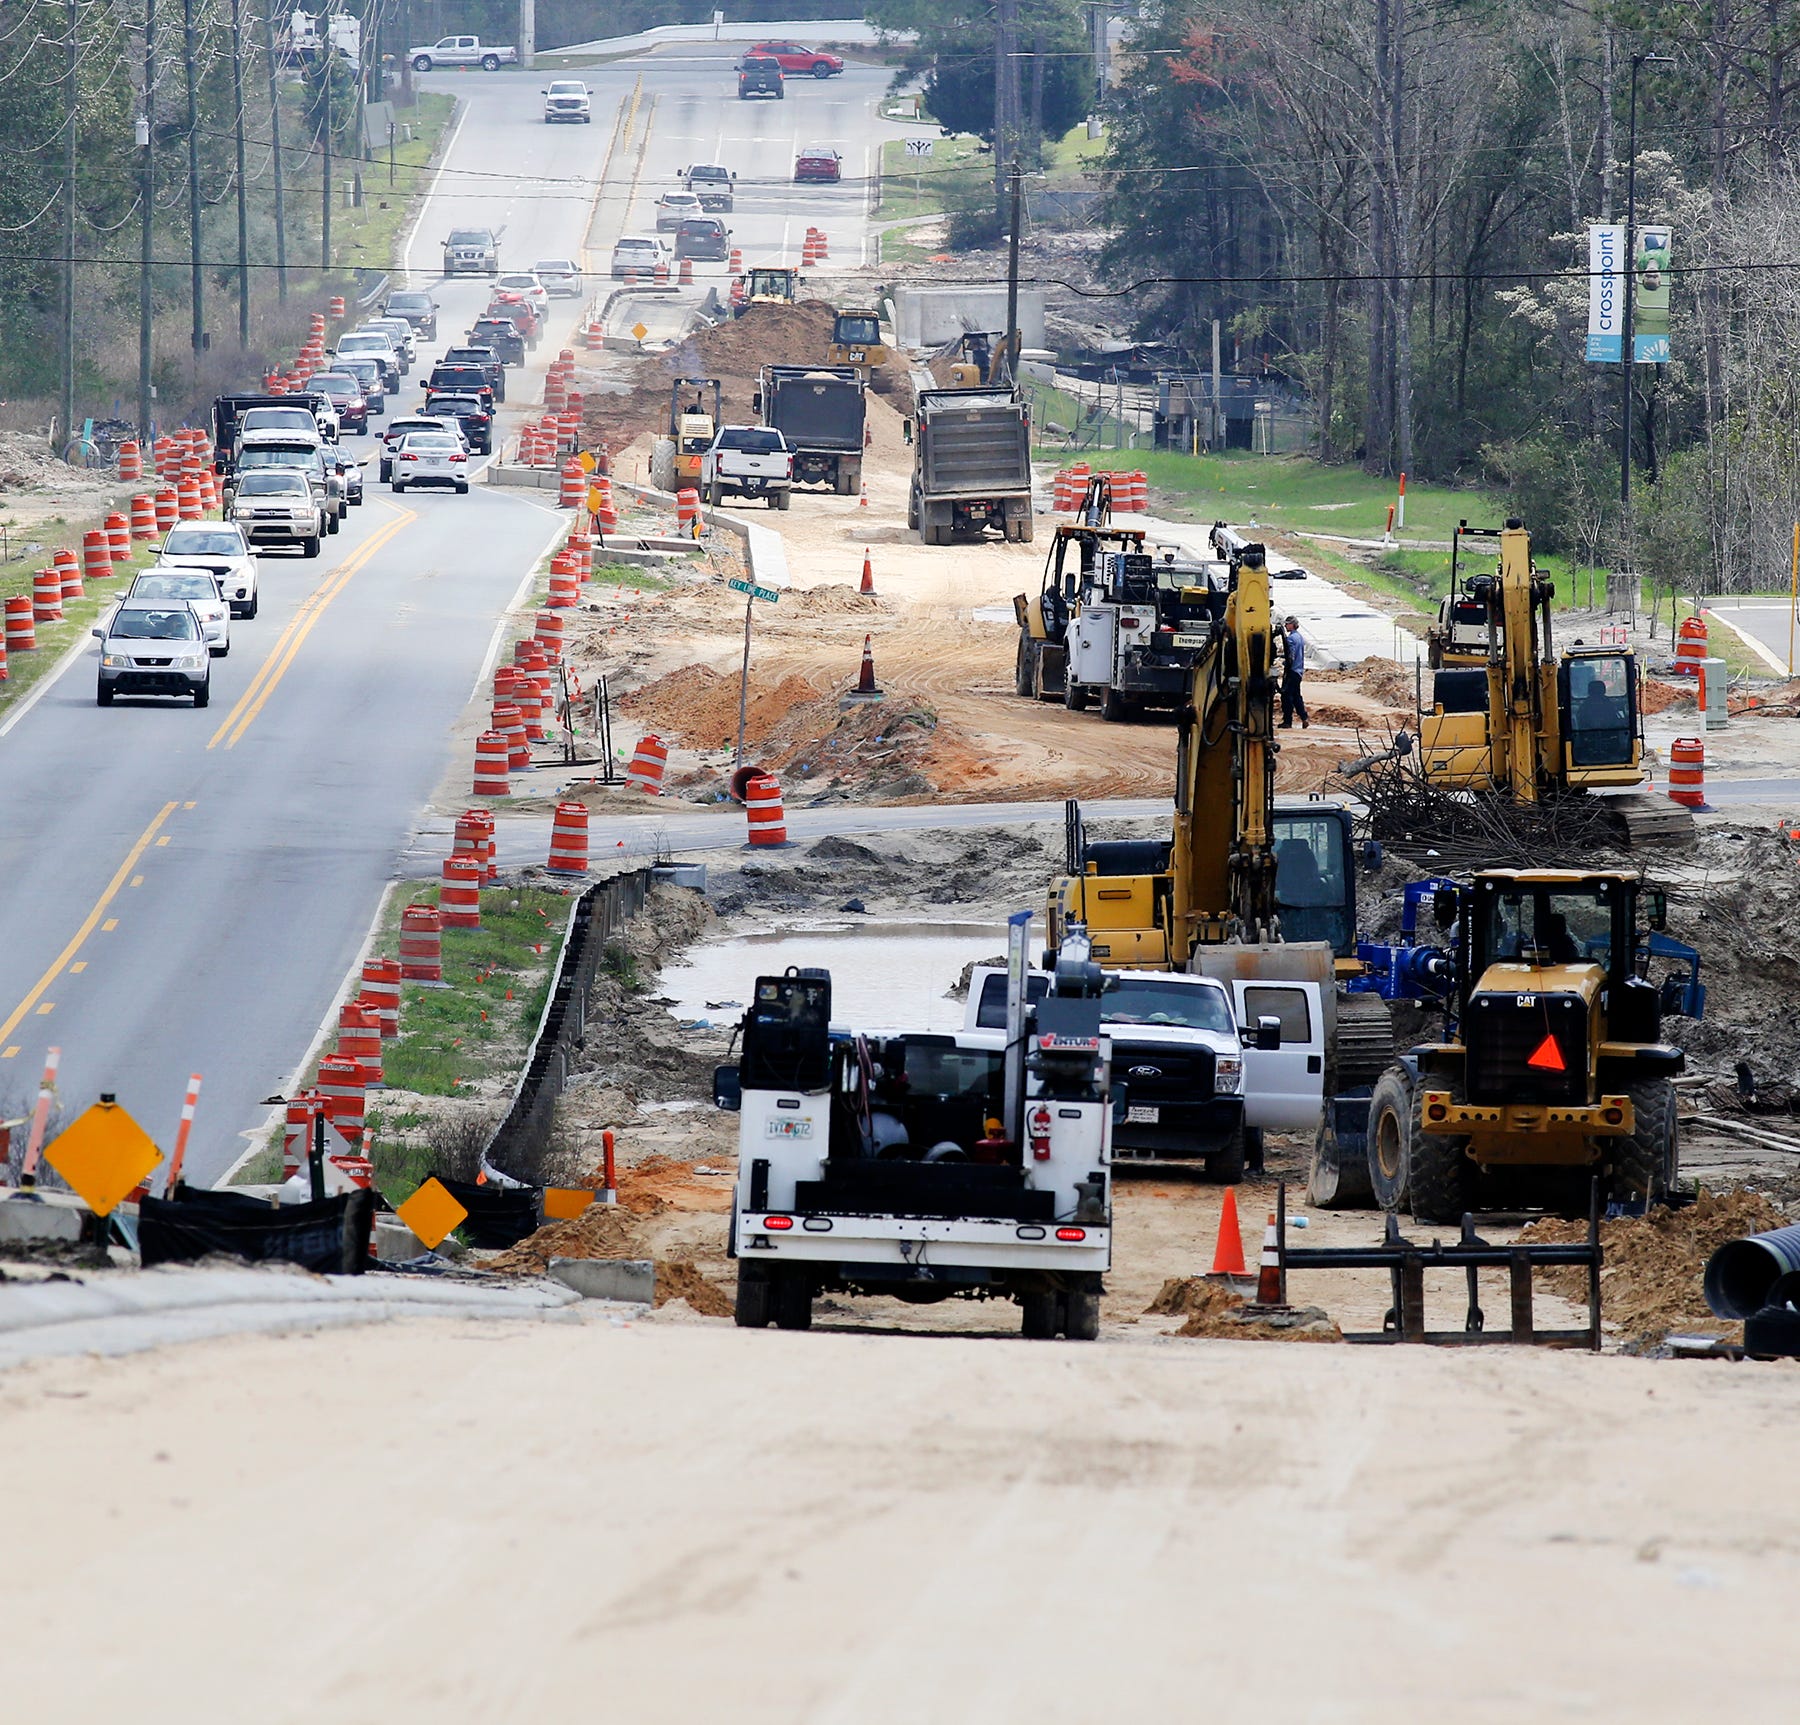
point(502, 335)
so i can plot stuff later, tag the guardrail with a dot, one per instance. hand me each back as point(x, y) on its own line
point(523, 1135)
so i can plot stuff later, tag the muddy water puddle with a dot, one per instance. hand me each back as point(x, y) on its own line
point(884, 975)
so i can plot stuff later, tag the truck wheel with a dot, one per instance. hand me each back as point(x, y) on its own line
point(791, 1298)
point(103, 696)
point(912, 510)
point(1075, 695)
point(421, 62)
point(1081, 1315)
point(1025, 669)
point(490, 62)
point(310, 547)
point(752, 1309)
point(782, 498)
point(1038, 1316)
point(713, 494)
point(1226, 1164)
point(1115, 708)
point(1643, 1165)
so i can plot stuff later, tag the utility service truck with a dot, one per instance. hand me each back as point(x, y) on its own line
point(971, 464)
point(747, 461)
point(822, 413)
point(924, 1167)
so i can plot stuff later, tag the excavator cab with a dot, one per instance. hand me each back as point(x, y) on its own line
point(1597, 704)
point(1315, 876)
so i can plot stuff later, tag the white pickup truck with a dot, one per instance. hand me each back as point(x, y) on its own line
point(918, 1166)
point(462, 51)
point(748, 461)
point(1205, 1071)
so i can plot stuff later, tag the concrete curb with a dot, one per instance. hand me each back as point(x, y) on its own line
point(124, 1314)
point(764, 551)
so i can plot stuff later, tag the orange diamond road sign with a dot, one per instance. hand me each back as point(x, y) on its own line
point(103, 1155)
point(432, 1214)
point(587, 461)
point(596, 500)
point(565, 1203)
point(1549, 1057)
point(639, 331)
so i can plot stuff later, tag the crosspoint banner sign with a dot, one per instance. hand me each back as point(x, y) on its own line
point(1606, 294)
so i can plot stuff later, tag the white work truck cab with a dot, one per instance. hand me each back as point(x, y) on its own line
point(748, 461)
point(922, 1166)
point(1206, 1064)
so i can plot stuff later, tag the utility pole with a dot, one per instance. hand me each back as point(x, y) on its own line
point(146, 137)
point(1010, 338)
point(325, 159)
point(196, 290)
point(237, 106)
point(1006, 13)
point(1626, 357)
point(275, 148)
point(68, 305)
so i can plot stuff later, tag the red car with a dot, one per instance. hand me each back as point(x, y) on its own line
point(818, 162)
point(808, 61)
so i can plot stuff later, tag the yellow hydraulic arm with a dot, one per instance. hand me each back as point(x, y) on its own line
point(1515, 692)
point(1223, 860)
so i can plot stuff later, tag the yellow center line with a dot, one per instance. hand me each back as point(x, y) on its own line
point(287, 644)
point(89, 924)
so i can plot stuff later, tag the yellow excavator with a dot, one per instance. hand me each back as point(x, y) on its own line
point(1529, 724)
point(1245, 887)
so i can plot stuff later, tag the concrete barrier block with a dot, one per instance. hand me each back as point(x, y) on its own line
point(395, 1243)
point(630, 1279)
point(26, 1219)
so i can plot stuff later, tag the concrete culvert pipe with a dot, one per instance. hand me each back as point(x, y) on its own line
point(1741, 1275)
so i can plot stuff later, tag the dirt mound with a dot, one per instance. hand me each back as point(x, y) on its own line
point(1329, 713)
point(1211, 1309)
point(600, 1231)
point(764, 335)
point(832, 601)
point(26, 463)
point(1659, 697)
point(1385, 679)
point(1651, 1281)
point(680, 1279)
point(666, 1182)
point(698, 706)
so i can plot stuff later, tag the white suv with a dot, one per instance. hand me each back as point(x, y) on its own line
point(639, 254)
point(219, 548)
point(276, 503)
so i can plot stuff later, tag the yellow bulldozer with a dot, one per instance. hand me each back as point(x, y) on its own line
point(856, 341)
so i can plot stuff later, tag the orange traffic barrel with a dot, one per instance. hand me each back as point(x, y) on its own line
point(118, 535)
point(529, 701)
point(46, 596)
point(768, 820)
point(359, 1039)
point(491, 754)
point(4, 673)
point(21, 632)
point(296, 1137)
point(1687, 772)
point(734, 265)
point(96, 554)
point(574, 486)
point(131, 462)
point(687, 510)
point(569, 839)
point(337, 305)
point(475, 839)
point(649, 761)
point(193, 500)
point(381, 993)
point(685, 275)
point(421, 944)
point(143, 516)
point(1690, 646)
point(580, 544)
point(341, 1085)
point(565, 585)
point(548, 633)
point(168, 508)
point(68, 570)
point(459, 899)
point(509, 722)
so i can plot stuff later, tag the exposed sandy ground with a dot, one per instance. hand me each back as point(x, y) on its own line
point(506, 1523)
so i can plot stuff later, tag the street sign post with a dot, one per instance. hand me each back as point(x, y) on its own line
point(751, 594)
point(919, 146)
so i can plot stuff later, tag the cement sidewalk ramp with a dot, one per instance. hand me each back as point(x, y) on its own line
point(125, 1313)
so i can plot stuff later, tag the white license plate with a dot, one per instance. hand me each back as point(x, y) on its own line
point(1142, 1116)
point(1185, 640)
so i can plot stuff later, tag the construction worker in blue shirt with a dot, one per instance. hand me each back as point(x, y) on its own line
point(1292, 701)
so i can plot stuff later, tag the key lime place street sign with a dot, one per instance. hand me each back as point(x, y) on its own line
point(754, 591)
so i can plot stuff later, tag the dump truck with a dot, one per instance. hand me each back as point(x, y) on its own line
point(971, 464)
point(822, 413)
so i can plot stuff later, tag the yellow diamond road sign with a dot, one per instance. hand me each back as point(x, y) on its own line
point(639, 331)
point(103, 1155)
point(587, 461)
point(596, 500)
point(432, 1214)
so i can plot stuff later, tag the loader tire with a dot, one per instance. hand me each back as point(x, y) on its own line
point(1440, 1176)
point(1643, 1165)
point(1393, 1115)
point(1025, 667)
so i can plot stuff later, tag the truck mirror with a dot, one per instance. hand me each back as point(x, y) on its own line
point(1656, 908)
point(1121, 1093)
point(756, 404)
point(1268, 1034)
point(1445, 904)
point(728, 1085)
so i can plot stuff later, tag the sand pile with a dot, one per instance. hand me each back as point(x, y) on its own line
point(1651, 1281)
point(1212, 1309)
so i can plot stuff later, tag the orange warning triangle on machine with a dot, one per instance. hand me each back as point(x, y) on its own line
point(1549, 1057)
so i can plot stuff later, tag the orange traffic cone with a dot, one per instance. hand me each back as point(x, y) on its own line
point(1268, 1275)
point(868, 580)
point(1228, 1255)
point(865, 682)
point(862, 501)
